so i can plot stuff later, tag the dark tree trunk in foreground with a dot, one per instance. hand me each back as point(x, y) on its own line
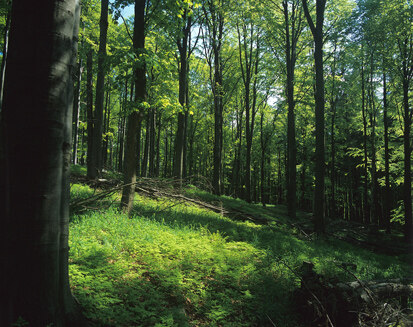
point(35, 166)
point(317, 31)
point(134, 119)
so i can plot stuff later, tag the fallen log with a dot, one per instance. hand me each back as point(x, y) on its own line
point(321, 301)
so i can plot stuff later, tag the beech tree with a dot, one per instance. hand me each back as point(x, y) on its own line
point(214, 21)
point(35, 146)
point(317, 31)
point(135, 117)
point(96, 152)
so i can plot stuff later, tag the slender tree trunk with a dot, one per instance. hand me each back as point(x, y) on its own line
point(279, 178)
point(249, 69)
point(333, 108)
point(121, 127)
point(134, 119)
point(317, 31)
point(144, 167)
point(76, 111)
point(158, 145)
point(366, 174)
point(100, 90)
point(152, 138)
point(387, 192)
point(263, 151)
point(179, 142)
point(90, 161)
point(166, 156)
point(291, 56)
point(106, 128)
point(4, 59)
point(407, 187)
point(374, 183)
point(192, 128)
point(215, 24)
point(293, 28)
point(183, 84)
point(34, 209)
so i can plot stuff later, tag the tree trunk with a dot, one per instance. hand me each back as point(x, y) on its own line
point(158, 147)
point(317, 31)
point(387, 192)
point(152, 138)
point(100, 90)
point(291, 39)
point(34, 224)
point(215, 25)
point(249, 67)
point(279, 178)
point(90, 161)
point(374, 183)
point(144, 167)
point(365, 186)
point(183, 84)
point(76, 111)
point(407, 188)
point(263, 151)
point(134, 119)
point(3, 61)
point(333, 108)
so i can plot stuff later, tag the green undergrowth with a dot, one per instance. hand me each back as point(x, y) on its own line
point(175, 264)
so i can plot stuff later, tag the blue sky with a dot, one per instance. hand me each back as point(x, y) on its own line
point(128, 11)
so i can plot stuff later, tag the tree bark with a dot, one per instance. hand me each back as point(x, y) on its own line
point(4, 59)
point(182, 42)
point(407, 180)
point(387, 191)
point(152, 138)
point(366, 211)
point(144, 166)
point(292, 34)
point(317, 31)
point(90, 121)
point(100, 91)
point(76, 111)
point(249, 68)
point(215, 24)
point(375, 212)
point(135, 118)
point(34, 224)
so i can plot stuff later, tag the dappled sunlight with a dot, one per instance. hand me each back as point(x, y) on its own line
point(174, 263)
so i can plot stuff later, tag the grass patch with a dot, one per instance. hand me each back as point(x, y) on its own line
point(141, 272)
point(174, 264)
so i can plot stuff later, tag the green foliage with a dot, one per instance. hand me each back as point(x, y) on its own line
point(175, 264)
point(78, 170)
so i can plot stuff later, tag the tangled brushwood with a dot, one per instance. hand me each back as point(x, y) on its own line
point(323, 301)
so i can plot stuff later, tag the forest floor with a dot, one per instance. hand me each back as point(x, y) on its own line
point(191, 258)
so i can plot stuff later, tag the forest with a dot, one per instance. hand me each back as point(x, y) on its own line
point(206, 163)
